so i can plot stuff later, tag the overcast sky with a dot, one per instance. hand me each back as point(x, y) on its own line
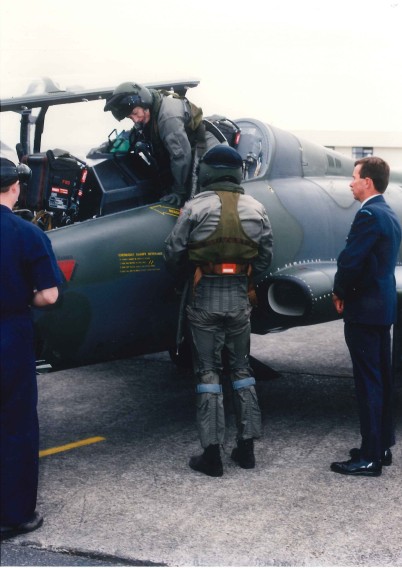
point(298, 64)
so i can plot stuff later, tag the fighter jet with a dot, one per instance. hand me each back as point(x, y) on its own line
point(108, 228)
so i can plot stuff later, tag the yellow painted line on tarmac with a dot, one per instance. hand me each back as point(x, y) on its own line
point(71, 446)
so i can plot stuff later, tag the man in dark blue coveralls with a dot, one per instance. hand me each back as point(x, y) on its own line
point(29, 276)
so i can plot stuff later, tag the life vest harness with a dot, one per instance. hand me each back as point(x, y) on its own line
point(194, 126)
point(228, 250)
point(228, 243)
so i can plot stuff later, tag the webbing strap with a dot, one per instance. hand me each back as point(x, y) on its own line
point(243, 383)
point(211, 388)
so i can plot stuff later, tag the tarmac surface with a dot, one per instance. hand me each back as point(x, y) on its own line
point(126, 496)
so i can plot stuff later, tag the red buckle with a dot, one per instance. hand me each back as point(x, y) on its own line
point(229, 268)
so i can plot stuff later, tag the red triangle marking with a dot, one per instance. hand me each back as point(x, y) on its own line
point(67, 268)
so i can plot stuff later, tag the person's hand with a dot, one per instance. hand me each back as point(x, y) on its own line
point(338, 303)
point(174, 199)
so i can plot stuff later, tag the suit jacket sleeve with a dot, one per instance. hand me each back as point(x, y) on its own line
point(353, 260)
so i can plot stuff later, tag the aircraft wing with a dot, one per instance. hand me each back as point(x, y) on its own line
point(47, 93)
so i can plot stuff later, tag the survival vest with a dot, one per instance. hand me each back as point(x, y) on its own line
point(228, 243)
point(194, 115)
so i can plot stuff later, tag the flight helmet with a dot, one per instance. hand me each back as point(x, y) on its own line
point(221, 163)
point(10, 173)
point(127, 96)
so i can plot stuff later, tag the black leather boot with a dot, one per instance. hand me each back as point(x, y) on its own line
point(209, 462)
point(244, 454)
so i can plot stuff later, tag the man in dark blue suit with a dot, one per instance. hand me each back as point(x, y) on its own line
point(365, 294)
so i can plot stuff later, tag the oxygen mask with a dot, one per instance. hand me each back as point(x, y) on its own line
point(139, 127)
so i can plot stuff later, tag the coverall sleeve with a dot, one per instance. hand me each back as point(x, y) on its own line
point(175, 252)
point(176, 142)
point(263, 261)
point(41, 260)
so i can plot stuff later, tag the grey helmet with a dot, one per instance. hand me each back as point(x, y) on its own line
point(221, 163)
point(127, 96)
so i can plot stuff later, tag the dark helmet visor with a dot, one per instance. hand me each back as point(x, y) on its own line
point(122, 104)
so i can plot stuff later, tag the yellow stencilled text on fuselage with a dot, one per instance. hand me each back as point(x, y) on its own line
point(145, 261)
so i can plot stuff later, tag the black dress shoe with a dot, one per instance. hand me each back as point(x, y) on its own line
point(29, 526)
point(358, 467)
point(386, 457)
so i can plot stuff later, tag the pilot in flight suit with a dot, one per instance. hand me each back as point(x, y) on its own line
point(171, 126)
point(29, 275)
point(365, 293)
point(222, 234)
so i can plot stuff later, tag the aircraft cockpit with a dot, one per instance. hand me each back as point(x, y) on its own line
point(253, 148)
point(69, 187)
point(65, 189)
